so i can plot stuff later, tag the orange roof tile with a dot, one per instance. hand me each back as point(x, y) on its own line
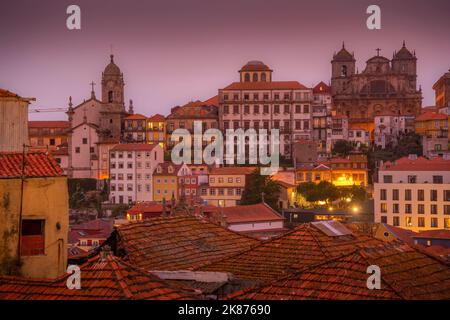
point(405, 274)
point(157, 118)
point(178, 243)
point(37, 164)
point(48, 124)
point(212, 101)
point(136, 116)
point(433, 234)
point(255, 65)
point(134, 147)
point(431, 115)
point(109, 278)
point(250, 213)
point(305, 245)
point(274, 85)
point(232, 170)
point(420, 164)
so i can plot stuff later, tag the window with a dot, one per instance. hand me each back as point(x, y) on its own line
point(408, 221)
point(408, 195)
point(421, 222)
point(247, 77)
point(212, 192)
point(412, 179)
point(236, 109)
point(446, 195)
point(230, 192)
point(420, 195)
point(221, 192)
point(246, 109)
point(408, 208)
point(287, 109)
point(256, 109)
point(437, 180)
point(433, 209)
point(225, 110)
point(383, 219)
point(52, 142)
point(383, 208)
point(395, 194)
point(306, 108)
point(110, 96)
point(383, 194)
point(32, 237)
point(266, 109)
point(434, 223)
point(276, 109)
point(387, 179)
point(396, 221)
point(395, 208)
point(238, 191)
point(298, 109)
point(421, 209)
point(446, 223)
point(84, 140)
point(433, 195)
point(77, 149)
point(446, 209)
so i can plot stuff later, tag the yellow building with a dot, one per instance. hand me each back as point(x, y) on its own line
point(432, 124)
point(33, 216)
point(226, 185)
point(342, 172)
point(165, 180)
point(156, 130)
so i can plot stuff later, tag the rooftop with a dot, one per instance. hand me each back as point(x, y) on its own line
point(157, 118)
point(322, 87)
point(250, 213)
point(179, 243)
point(134, 147)
point(274, 85)
point(420, 164)
point(107, 278)
point(431, 115)
point(136, 116)
point(232, 170)
point(48, 124)
point(37, 165)
point(255, 65)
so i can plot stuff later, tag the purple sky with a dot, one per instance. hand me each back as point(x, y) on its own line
point(174, 51)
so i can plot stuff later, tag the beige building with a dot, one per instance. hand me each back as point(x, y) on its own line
point(414, 193)
point(13, 121)
point(257, 102)
point(48, 135)
point(225, 186)
point(33, 216)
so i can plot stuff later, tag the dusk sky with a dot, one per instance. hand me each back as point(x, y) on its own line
point(174, 51)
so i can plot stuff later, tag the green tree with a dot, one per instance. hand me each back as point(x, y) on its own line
point(342, 148)
point(323, 191)
point(259, 184)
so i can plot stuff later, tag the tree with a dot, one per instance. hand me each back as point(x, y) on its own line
point(323, 191)
point(342, 148)
point(257, 185)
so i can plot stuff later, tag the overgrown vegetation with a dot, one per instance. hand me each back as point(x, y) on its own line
point(256, 186)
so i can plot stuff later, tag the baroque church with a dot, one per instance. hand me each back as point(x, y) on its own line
point(384, 86)
point(95, 124)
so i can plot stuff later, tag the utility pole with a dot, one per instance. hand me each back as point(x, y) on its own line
point(22, 182)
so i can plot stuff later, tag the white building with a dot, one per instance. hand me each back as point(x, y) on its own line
point(321, 117)
point(131, 171)
point(358, 136)
point(414, 193)
point(257, 102)
point(339, 129)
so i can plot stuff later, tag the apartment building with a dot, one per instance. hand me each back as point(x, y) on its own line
point(156, 130)
point(166, 182)
point(321, 117)
point(134, 129)
point(225, 186)
point(342, 172)
point(433, 128)
point(339, 129)
point(47, 135)
point(131, 171)
point(359, 136)
point(389, 127)
point(414, 193)
point(257, 102)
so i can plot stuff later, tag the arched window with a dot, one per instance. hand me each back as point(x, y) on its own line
point(344, 71)
point(263, 77)
point(110, 96)
point(247, 77)
point(255, 77)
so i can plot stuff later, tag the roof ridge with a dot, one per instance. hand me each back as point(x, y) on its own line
point(119, 277)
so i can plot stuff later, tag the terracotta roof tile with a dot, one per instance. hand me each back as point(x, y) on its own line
point(274, 85)
point(305, 245)
point(212, 101)
point(134, 147)
point(420, 164)
point(405, 274)
point(157, 118)
point(250, 213)
point(178, 243)
point(431, 115)
point(48, 124)
point(232, 170)
point(109, 278)
point(37, 164)
point(136, 116)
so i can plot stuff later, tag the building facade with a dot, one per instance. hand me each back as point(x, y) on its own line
point(414, 193)
point(131, 171)
point(156, 130)
point(47, 135)
point(166, 181)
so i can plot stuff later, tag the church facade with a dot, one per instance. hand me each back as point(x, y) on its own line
point(384, 86)
point(96, 125)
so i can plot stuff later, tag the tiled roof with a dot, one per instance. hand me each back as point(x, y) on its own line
point(322, 87)
point(194, 110)
point(165, 169)
point(37, 164)
point(250, 213)
point(305, 245)
point(420, 164)
point(405, 274)
point(134, 147)
point(157, 118)
point(146, 207)
point(255, 65)
point(212, 101)
point(431, 115)
point(178, 243)
point(48, 124)
point(98, 228)
point(231, 170)
point(109, 278)
point(433, 234)
point(274, 85)
point(8, 94)
point(136, 116)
